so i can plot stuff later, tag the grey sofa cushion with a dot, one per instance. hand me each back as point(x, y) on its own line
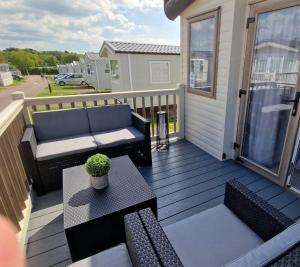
point(271, 249)
point(118, 137)
point(114, 257)
point(211, 238)
point(60, 123)
point(65, 146)
point(109, 117)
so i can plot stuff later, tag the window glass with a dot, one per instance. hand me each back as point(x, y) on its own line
point(202, 54)
point(115, 71)
point(159, 72)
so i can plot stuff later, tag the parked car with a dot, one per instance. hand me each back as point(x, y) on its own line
point(60, 75)
point(71, 79)
point(17, 77)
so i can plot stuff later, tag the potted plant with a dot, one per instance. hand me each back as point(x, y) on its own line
point(98, 167)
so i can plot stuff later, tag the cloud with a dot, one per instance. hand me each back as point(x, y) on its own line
point(79, 25)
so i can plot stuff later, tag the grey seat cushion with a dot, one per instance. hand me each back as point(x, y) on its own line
point(64, 147)
point(211, 238)
point(114, 257)
point(117, 137)
point(271, 249)
point(109, 117)
point(60, 123)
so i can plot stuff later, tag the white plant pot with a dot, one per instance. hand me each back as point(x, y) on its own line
point(99, 182)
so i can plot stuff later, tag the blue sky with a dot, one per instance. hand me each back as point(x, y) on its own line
point(82, 25)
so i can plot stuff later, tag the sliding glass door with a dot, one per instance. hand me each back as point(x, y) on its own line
point(269, 108)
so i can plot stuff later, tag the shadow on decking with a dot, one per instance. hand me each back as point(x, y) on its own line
point(186, 180)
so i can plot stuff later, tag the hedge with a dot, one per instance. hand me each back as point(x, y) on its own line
point(46, 70)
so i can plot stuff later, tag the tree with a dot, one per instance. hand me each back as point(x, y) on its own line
point(70, 57)
point(50, 60)
point(2, 58)
point(23, 60)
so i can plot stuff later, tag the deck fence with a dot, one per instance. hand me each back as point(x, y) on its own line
point(146, 103)
point(14, 186)
point(13, 180)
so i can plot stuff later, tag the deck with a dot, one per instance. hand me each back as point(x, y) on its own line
point(186, 180)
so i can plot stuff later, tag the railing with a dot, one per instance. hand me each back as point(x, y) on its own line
point(146, 103)
point(262, 77)
point(14, 186)
point(13, 180)
point(286, 78)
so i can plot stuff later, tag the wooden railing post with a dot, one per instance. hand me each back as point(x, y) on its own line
point(21, 96)
point(180, 110)
point(18, 95)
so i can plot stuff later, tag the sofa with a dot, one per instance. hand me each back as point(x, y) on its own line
point(244, 231)
point(65, 138)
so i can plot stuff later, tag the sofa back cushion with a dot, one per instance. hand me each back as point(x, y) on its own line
point(60, 123)
point(109, 117)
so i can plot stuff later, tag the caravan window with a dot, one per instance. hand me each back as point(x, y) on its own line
point(115, 71)
point(160, 72)
point(203, 53)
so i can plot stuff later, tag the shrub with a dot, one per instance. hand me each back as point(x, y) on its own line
point(46, 70)
point(98, 165)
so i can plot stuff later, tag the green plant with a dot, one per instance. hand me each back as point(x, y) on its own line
point(98, 165)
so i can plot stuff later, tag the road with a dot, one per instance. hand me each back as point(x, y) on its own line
point(32, 86)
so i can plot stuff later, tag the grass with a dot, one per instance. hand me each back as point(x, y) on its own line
point(15, 83)
point(58, 90)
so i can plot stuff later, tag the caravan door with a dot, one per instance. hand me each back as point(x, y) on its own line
point(269, 115)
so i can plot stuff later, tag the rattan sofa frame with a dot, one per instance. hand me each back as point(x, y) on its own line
point(46, 175)
point(265, 220)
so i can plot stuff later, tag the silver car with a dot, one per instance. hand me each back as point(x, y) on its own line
point(71, 79)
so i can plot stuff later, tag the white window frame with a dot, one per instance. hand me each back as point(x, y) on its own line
point(216, 14)
point(151, 76)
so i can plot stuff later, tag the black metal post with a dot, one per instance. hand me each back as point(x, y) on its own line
point(49, 86)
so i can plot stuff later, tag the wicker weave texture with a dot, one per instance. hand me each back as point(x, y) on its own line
point(259, 215)
point(291, 258)
point(166, 253)
point(140, 249)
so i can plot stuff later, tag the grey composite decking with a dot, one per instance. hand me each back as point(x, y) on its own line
point(186, 180)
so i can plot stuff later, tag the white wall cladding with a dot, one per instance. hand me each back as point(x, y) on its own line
point(210, 123)
point(6, 78)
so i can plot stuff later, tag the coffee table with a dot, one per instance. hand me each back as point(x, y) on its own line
point(94, 220)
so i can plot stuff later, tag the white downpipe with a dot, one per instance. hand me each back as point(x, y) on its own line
point(130, 73)
point(97, 78)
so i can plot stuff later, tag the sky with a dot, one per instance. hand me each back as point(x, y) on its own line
point(82, 25)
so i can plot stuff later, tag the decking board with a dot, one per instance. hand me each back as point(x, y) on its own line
point(186, 181)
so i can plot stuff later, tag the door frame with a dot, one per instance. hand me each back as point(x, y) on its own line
point(292, 128)
point(289, 178)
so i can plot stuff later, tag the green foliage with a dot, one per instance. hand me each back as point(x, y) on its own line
point(50, 60)
point(46, 70)
point(23, 60)
point(2, 58)
point(27, 59)
point(98, 165)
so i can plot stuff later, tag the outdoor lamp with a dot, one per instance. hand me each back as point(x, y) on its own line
point(162, 139)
